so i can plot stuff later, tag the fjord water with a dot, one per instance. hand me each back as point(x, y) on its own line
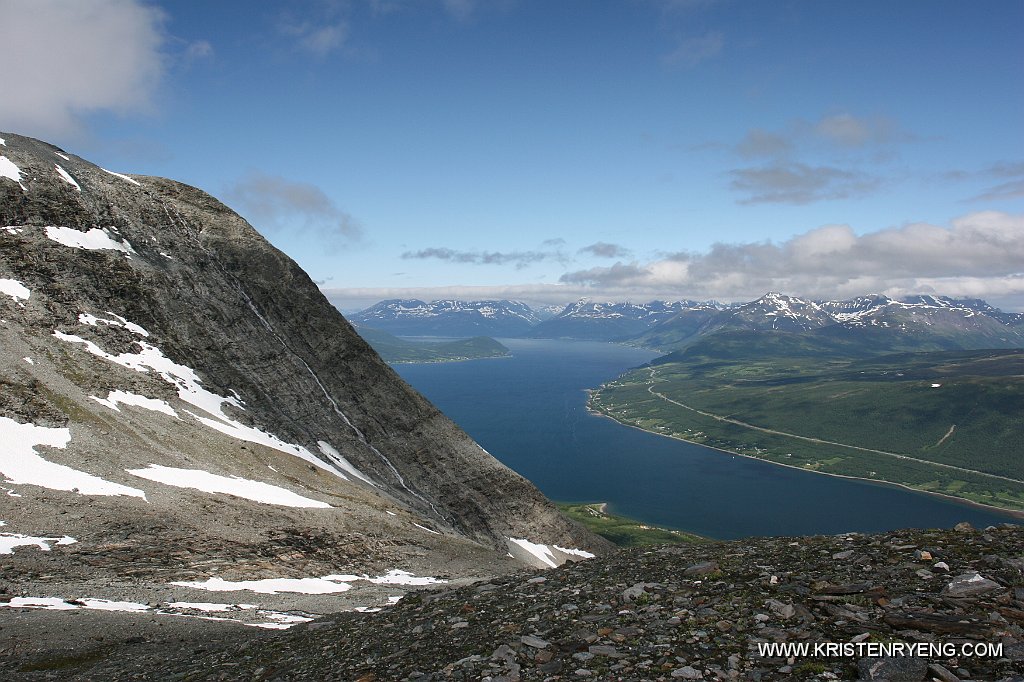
point(529, 412)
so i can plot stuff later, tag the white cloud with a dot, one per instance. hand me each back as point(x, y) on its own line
point(978, 254)
point(605, 250)
point(800, 183)
point(461, 10)
point(692, 51)
point(196, 50)
point(520, 259)
point(846, 130)
point(319, 40)
point(275, 204)
point(65, 59)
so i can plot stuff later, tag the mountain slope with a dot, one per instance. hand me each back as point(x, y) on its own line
point(599, 321)
point(411, 317)
point(154, 344)
point(875, 323)
point(393, 349)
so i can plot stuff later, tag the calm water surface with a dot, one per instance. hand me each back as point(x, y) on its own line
point(529, 412)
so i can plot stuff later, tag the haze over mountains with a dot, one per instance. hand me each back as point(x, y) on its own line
point(924, 322)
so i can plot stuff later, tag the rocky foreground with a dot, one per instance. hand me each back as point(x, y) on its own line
point(667, 613)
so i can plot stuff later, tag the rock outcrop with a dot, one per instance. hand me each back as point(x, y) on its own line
point(180, 401)
point(907, 605)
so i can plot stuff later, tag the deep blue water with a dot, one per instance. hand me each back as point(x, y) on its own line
point(529, 412)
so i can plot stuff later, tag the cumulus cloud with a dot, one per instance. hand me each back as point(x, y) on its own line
point(847, 130)
point(275, 204)
point(977, 255)
point(980, 255)
point(759, 143)
point(605, 250)
point(799, 183)
point(315, 38)
point(65, 60)
point(1009, 189)
point(520, 259)
point(843, 131)
point(692, 51)
point(789, 178)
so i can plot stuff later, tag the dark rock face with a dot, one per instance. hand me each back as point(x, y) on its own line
point(216, 297)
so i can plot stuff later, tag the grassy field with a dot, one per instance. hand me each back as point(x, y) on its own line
point(945, 422)
point(623, 531)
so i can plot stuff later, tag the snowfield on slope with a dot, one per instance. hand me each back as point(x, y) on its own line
point(22, 465)
point(191, 391)
point(257, 491)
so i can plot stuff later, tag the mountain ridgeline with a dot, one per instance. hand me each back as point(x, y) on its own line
point(177, 388)
point(868, 323)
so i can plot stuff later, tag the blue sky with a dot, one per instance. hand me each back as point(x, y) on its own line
point(547, 150)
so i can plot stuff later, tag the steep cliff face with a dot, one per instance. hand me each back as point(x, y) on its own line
point(149, 331)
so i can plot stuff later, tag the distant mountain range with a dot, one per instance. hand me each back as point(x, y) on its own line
point(412, 317)
point(916, 322)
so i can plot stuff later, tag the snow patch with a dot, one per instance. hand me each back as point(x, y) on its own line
point(270, 585)
point(341, 462)
point(575, 552)
point(541, 552)
point(210, 607)
point(63, 156)
point(329, 584)
point(257, 491)
point(122, 176)
point(50, 603)
point(67, 177)
point(22, 465)
point(429, 530)
point(191, 391)
point(276, 619)
point(936, 385)
point(14, 289)
point(8, 541)
point(29, 360)
point(92, 320)
point(95, 239)
point(114, 398)
point(9, 170)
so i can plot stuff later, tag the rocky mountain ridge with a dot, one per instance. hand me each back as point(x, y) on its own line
point(930, 322)
point(413, 317)
point(182, 409)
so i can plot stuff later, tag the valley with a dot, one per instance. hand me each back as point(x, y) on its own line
point(531, 412)
point(941, 422)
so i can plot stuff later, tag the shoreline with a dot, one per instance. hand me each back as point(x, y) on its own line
point(441, 362)
point(1013, 513)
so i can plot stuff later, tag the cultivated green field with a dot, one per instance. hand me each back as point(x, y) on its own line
point(946, 422)
point(624, 531)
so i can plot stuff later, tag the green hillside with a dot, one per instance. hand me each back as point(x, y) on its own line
point(950, 422)
point(395, 350)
